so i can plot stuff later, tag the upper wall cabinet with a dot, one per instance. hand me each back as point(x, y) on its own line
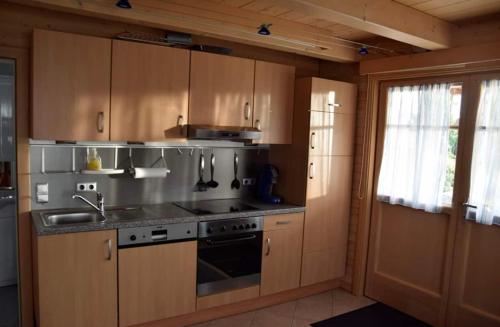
point(221, 91)
point(149, 92)
point(332, 96)
point(71, 87)
point(273, 102)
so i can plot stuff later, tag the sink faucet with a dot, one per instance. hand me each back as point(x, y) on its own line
point(100, 202)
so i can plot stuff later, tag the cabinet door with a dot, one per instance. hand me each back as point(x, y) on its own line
point(331, 133)
point(282, 254)
point(221, 90)
point(327, 212)
point(149, 92)
point(273, 102)
point(77, 279)
point(157, 282)
point(333, 96)
point(71, 87)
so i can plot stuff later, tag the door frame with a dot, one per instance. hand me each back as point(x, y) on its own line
point(22, 128)
point(364, 189)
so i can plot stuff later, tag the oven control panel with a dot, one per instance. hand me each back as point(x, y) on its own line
point(156, 234)
point(230, 226)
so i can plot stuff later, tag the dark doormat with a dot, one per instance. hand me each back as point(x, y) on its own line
point(375, 315)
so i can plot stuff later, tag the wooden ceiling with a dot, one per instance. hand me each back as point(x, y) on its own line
point(455, 10)
point(326, 29)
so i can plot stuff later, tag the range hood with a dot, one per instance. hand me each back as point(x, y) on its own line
point(235, 133)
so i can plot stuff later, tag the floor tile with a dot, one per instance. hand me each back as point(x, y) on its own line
point(299, 322)
point(266, 319)
point(316, 307)
point(241, 320)
point(344, 301)
point(286, 309)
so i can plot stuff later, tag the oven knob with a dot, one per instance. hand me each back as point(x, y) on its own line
point(210, 230)
point(223, 229)
point(241, 226)
point(247, 226)
point(133, 237)
point(254, 225)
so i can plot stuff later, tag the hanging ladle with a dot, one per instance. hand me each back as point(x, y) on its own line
point(201, 185)
point(212, 183)
point(235, 184)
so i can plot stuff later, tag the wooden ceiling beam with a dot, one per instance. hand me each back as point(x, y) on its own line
point(382, 17)
point(214, 21)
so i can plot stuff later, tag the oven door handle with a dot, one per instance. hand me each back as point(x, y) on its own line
point(210, 242)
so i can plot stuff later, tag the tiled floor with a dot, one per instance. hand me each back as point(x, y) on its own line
point(299, 313)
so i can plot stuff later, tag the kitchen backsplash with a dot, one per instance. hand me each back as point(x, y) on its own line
point(122, 190)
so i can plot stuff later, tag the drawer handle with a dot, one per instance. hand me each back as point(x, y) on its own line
point(247, 111)
point(257, 124)
point(268, 242)
point(311, 170)
point(283, 222)
point(313, 140)
point(110, 249)
point(100, 122)
point(180, 123)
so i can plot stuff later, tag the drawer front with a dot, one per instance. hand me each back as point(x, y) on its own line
point(285, 221)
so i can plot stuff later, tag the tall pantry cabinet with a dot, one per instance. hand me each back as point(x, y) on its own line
point(316, 170)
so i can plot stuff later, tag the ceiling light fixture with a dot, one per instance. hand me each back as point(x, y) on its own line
point(264, 29)
point(363, 50)
point(124, 4)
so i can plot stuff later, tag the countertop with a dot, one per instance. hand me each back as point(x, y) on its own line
point(159, 214)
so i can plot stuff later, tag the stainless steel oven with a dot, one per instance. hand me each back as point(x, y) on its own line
point(229, 254)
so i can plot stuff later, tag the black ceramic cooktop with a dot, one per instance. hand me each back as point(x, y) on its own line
point(214, 206)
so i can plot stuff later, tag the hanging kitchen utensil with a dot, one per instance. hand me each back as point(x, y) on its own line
point(235, 184)
point(201, 186)
point(212, 183)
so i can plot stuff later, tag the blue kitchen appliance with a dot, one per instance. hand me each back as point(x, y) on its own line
point(267, 178)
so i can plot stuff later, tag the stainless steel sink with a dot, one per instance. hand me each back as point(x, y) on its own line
point(56, 219)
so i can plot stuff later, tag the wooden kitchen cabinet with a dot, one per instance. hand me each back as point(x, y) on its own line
point(327, 218)
point(332, 96)
point(71, 87)
point(221, 90)
point(75, 279)
point(281, 253)
point(273, 102)
point(331, 134)
point(157, 282)
point(149, 92)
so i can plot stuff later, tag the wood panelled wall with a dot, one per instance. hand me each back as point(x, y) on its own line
point(16, 26)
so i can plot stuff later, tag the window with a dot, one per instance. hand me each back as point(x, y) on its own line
point(420, 145)
point(484, 193)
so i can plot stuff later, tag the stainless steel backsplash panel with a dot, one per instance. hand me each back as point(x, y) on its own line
point(121, 190)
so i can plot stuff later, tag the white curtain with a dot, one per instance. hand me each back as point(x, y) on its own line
point(484, 190)
point(413, 170)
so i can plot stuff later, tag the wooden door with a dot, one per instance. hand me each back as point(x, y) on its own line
point(77, 279)
point(410, 250)
point(273, 102)
point(71, 87)
point(333, 96)
point(221, 90)
point(281, 253)
point(327, 218)
point(157, 282)
point(474, 291)
point(149, 92)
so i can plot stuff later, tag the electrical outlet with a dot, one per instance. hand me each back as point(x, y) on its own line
point(86, 187)
point(248, 181)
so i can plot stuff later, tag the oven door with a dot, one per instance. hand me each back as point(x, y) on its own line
point(228, 262)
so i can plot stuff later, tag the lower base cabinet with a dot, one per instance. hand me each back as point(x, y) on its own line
point(156, 282)
point(75, 279)
point(281, 253)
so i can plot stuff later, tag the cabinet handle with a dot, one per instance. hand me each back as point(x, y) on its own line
point(283, 222)
point(180, 123)
point(110, 249)
point(313, 140)
point(268, 242)
point(338, 105)
point(247, 111)
point(257, 124)
point(100, 122)
point(311, 170)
